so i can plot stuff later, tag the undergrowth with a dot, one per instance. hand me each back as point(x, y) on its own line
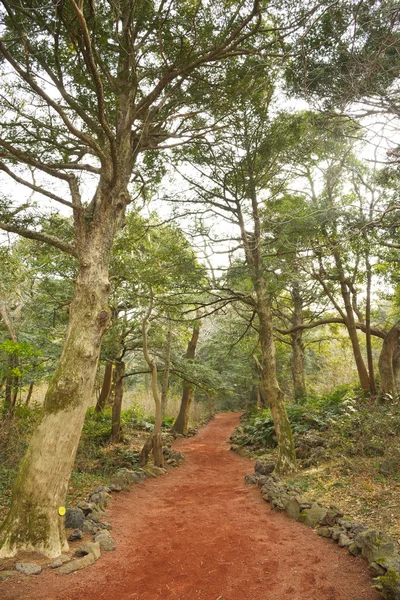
point(96, 458)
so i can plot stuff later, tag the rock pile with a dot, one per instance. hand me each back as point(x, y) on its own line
point(380, 551)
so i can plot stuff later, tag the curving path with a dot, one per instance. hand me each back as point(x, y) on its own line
point(200, 533)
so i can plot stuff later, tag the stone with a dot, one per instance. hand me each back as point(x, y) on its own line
point(312, 516)
point(377, 546)
point(96, 516)
point(390, 585)
point(251, 479)
point(153, 471)
point(100, 497)
point(4, 575)
point(376, 570)
point(325, 532)
point(264, 467)
point(74, 518)
point(344, 540)
point(347, 523)
point(336, 531)
point(59, 561)
point(293, 508)
point(75, 535)
point(76, 565)
point(89, 548)
point(86, 507)
point(105, 541)
point(353, 549)
point(90, 526)
point(332, 516)
point(28, 568)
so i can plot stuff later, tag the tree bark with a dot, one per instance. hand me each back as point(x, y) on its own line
point(119, 372)
point(105, 388)
point(286, 462)
point(165, 377)
point(154, 443)
point(299, 382)
point(387, 374)
point(181, 424)
point(30, 391)
point(33, 522)
point(372, 384)
point(209, 404)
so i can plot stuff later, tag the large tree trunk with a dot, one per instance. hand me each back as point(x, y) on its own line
point(33, 522)
point(387, 374)
point(119, 372)
point(165, 377)
point(105, 388)
point(181, 424)
point(299, 382)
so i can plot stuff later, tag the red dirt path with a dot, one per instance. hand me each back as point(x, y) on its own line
point(200, 533)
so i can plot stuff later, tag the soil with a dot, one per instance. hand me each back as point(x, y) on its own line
point(201, 533)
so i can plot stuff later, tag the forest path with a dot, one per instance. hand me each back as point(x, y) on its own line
point(201, 533)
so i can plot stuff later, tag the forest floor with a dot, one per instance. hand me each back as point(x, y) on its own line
point(201, 533)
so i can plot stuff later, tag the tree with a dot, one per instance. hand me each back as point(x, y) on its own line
point(93, 86)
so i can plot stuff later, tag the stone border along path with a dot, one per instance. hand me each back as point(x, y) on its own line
point(201, 533)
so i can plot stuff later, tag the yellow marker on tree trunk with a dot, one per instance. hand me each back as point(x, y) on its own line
point(61, 511)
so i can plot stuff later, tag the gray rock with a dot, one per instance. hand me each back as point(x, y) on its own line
point(75, 535)
point(76, 565)
point(390, 585)
point(100, 497)
point(332, 516)
point(89, 548)
point(90, 526)
point(344, 540)
point(336, 531)
point(251, 479)
point(264, 467)
point(59, 561)
point(376, 570)
point(312, 516)
point(325, 532)
point(74, 518)
point(377, 546)
point(105, 541)
point(86, 507)
point(354, 550)
point(293, 508)
point(28, 568)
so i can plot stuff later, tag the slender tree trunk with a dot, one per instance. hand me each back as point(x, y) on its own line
point(387, 376)
point(33, 522)
point(105, 388)
point(182, 421)
point(209, 404)
point(299, 382)
point(30, 391)
point(12, 383)
point(372, 384)
point(154, 443)
point(116, 430)
point(165, 377)
point(350, 323)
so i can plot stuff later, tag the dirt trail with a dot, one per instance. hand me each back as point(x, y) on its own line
point(200, 533)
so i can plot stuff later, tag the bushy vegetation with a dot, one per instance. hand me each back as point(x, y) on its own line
point(96, 458)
